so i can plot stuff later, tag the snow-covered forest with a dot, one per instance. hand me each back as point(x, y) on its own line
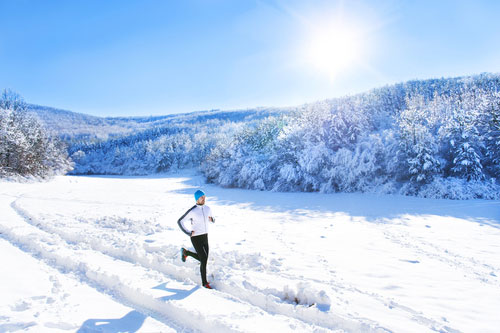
point(26, 147)
point(162, 144)
point(436, 138)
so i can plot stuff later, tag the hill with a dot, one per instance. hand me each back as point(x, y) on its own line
point(435, 138)
point(72, 126)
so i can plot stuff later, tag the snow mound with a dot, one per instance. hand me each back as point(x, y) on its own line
point(304, 294)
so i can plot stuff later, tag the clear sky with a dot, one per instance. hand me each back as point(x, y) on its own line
point(144, 57)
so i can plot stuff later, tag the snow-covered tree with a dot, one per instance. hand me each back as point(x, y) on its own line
point(493, 135)
point(465, 139)
point(25, 146)
point(417, 144)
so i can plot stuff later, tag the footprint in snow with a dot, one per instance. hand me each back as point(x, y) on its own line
point(410, 261)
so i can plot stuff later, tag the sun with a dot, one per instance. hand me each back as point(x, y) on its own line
point(333, 47)
point(335, 40)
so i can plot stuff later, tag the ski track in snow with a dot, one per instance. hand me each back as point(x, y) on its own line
point(48, 245)
point(153, 259)
point(251, 294)
point(70, 260)
point(114, 254)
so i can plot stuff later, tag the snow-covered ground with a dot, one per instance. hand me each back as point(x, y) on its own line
point(101, 254)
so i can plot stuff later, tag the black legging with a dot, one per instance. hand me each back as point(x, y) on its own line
point(200, 244)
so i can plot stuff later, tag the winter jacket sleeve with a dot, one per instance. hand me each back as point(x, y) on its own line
point(210, 214)
point(180, 222)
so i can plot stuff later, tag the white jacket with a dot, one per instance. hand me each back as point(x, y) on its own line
point(196, 219)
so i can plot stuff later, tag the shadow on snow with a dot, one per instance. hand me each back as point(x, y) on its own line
point(378, 208)
point(132, 321)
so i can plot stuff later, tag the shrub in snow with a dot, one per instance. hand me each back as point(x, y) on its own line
point(458, 189)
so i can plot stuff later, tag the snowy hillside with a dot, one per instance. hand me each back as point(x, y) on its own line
point(431, 138)
point(77, 126)
point(95, 253)
point(437, 138)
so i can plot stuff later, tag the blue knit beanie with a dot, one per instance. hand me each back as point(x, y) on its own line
point(198, 194)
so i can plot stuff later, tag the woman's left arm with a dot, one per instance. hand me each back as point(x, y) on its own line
point(211, 218)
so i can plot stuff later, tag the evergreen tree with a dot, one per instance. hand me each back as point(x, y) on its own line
point(417, 144)
point(493, 136)
point(465, 139)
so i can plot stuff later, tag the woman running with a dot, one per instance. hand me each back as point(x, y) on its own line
point(194, 223)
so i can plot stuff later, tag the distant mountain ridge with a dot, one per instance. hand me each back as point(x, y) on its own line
point(72, 126)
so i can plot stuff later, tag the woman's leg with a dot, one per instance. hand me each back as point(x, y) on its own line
point(200, 244)
point(191, 254)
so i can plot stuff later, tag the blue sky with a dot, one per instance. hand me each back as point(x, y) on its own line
point(124, 58)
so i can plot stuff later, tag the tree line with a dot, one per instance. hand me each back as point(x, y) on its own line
point(436, 138)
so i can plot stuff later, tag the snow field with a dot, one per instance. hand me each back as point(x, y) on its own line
point(116, 277)
point(271, 300)
point(52, 298)
point(281, 261)
point(129, 253)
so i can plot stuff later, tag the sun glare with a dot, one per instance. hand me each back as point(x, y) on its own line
point(333, 48)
